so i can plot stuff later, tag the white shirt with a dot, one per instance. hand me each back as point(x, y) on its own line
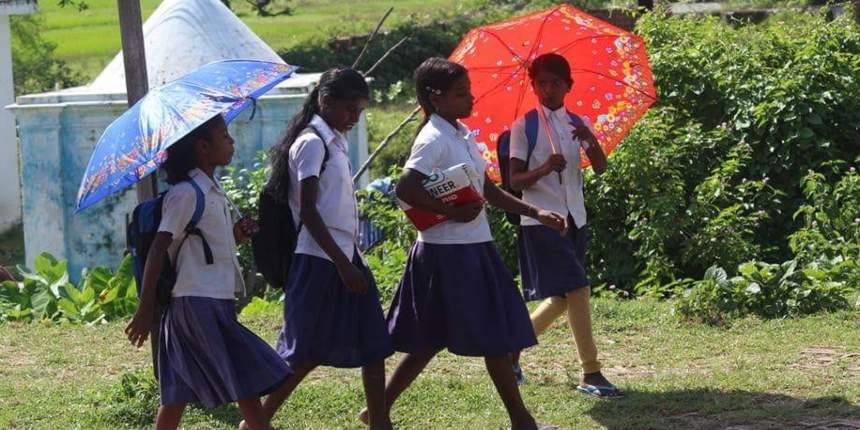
point(438, 146)
point(336, 197)
point(548, 193)
point(223, 278)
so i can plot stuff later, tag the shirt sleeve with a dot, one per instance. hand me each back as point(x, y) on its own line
point(425, 155)
point(519, 142)
point(308, 154)
point(177, 209)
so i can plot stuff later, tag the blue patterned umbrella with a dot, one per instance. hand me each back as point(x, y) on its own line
point(136, 143)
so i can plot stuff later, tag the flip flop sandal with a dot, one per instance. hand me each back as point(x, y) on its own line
point(602, 391)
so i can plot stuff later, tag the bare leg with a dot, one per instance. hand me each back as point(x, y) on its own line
point(499, 368)
point(373, 376)
point(168, 416)
point(276, 398)
point(409, 367)
point(252, 410)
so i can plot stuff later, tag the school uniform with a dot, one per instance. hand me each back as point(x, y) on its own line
point(323, 322)
point(456, 292)
point(204, 353)
point(552, 265)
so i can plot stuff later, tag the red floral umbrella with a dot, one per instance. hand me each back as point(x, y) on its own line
point(613, 85)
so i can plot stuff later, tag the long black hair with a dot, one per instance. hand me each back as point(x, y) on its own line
point(181, 157)
point(435, 76)
point(339, 84)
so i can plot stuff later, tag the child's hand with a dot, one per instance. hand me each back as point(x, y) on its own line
point(244, 229)
point(138, 329)
point(555, 163)
point(352, 278)
point(583, 133)
point(552, 220)
point(467, 212)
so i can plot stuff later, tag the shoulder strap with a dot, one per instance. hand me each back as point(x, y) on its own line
point(575, 119)
point(316, 132)
point(200, 204)
point(531, 132)
point(191, 228)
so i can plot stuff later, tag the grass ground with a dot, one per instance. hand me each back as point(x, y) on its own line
point(756, 374)
point(89, 39)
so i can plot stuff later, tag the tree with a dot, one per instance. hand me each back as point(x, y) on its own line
point(35, 66)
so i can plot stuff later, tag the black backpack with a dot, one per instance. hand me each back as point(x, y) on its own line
point(504, 153)
point(141, 232)
point(274, 245)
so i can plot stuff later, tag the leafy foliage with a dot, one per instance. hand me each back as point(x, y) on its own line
point(47, 295)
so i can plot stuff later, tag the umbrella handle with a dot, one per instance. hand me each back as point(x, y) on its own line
point(549, 134)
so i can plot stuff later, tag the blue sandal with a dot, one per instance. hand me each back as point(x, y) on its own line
point(602, 391)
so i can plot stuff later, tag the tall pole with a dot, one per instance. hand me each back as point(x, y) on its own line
point(857, 11)
point(136, 80)
point(136, 86)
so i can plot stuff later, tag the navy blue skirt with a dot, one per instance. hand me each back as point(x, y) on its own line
point(551, 264)
point(460, 297)
point(327, 325)
point(205, 355)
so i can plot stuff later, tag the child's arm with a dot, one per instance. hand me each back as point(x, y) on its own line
point(594, 152)
point(139, 327)
point(522, 178)
point(352, 278)
point(508, 203)
point(410, 189)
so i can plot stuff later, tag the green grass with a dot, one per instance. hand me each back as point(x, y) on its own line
point(89, 39)
point(760, 374)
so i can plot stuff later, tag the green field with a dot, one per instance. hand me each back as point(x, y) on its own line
point(89, 39)
point(755, 374)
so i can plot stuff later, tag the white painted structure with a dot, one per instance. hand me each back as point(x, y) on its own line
point(10, 186)
point(58, 130)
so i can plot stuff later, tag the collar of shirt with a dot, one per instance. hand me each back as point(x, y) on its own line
point(443, 125)
point(204, 181)
point(328, 135)
point(559, 114)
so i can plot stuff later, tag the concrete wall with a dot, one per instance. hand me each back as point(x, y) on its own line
point(56, 142)
point(10, 190)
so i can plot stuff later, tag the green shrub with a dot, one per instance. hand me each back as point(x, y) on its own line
point(47, 294)
point(761, 289)
point(712, 174)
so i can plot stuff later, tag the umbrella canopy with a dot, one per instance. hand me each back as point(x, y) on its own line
point(613, 85)
point(135, 144)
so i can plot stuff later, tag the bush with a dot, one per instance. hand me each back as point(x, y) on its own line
point(761, 289)
point(47, 295)
point(713, 173)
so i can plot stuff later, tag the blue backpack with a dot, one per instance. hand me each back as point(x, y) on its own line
point(504, 153)
point(141, 232)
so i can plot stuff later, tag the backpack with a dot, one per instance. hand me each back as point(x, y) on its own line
point(504, 153)
point(275, 243)
point(141, 232)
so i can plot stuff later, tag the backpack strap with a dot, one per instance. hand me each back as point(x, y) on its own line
point(575, 119)
point(191, 228)
point(531, 132)
point(312, 129)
